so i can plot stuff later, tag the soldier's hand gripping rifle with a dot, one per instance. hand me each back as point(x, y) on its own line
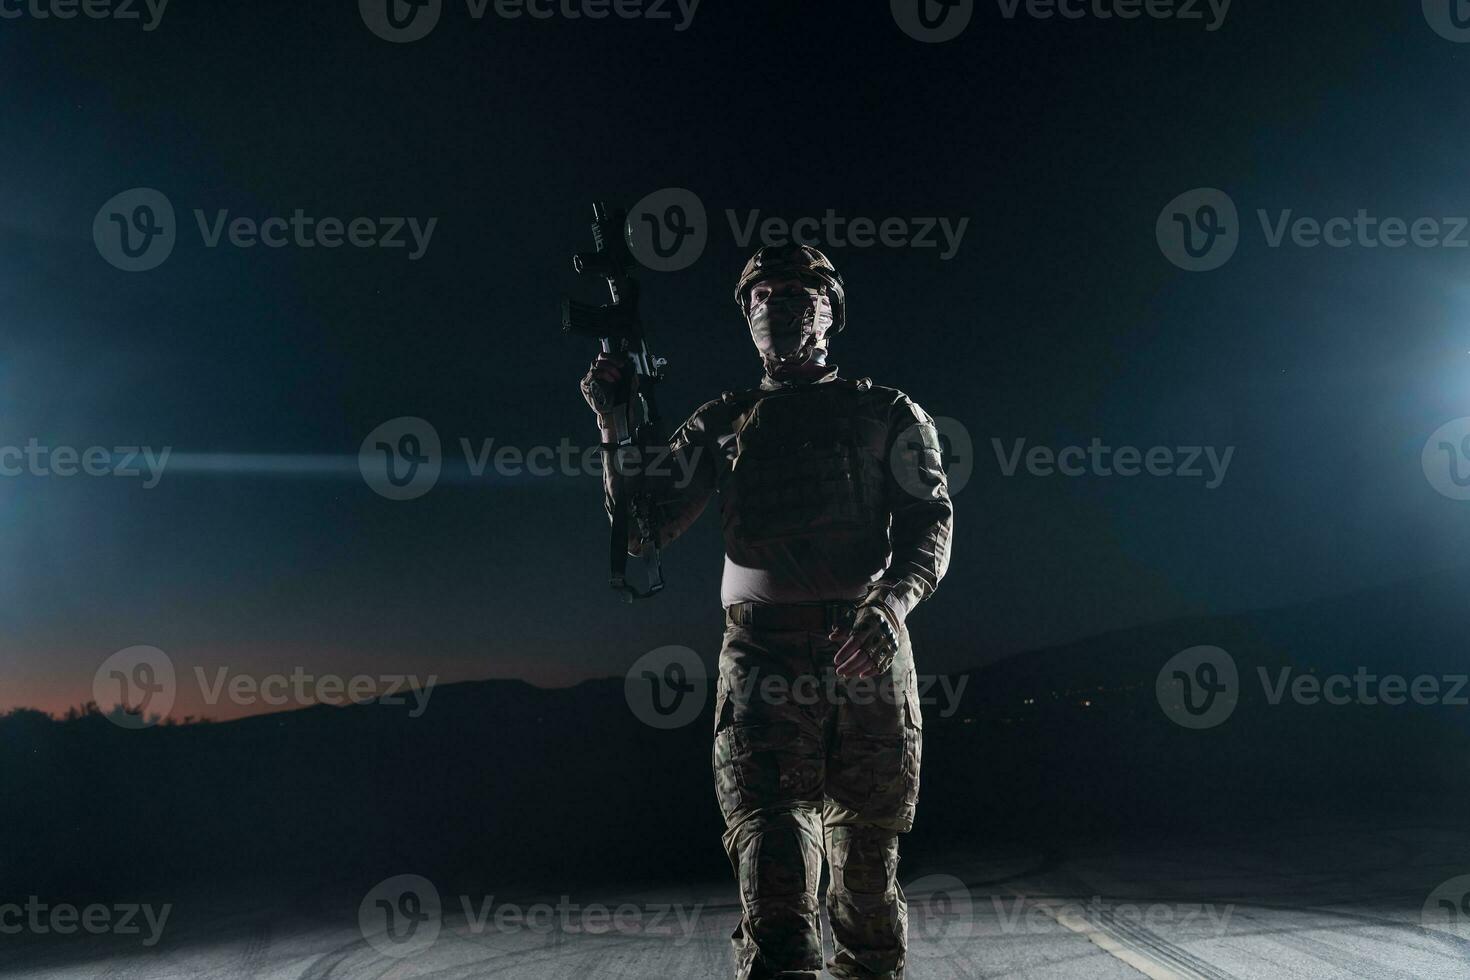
point(620, 330)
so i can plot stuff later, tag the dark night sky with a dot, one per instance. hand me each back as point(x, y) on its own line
point(1058, 320)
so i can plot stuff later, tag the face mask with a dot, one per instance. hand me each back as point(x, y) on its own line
point(792, 327)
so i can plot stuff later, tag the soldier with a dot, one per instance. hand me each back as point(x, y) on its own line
point(837, 522)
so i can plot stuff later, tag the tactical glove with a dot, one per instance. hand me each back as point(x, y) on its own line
point(872, 644)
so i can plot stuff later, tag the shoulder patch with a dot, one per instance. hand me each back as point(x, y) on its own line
point(904, 401)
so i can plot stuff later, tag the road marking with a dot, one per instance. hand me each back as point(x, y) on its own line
point(1148, 959)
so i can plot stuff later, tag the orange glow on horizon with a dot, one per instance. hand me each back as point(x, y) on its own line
point(56, 695)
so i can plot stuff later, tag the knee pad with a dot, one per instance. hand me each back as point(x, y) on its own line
point(864, 861)
point(778, 857)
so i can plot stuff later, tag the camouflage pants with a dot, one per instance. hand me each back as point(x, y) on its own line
point(804, 764)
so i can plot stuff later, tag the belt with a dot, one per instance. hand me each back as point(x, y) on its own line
point(812, 617)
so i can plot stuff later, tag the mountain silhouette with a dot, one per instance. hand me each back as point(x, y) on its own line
point(501, 784)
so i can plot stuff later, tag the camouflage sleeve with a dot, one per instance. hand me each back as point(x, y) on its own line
point(674, 485)
point(919, 504)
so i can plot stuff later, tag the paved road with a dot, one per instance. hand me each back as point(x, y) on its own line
point(1356, 902)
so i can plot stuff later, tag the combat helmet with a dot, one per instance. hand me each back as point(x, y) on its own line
point(795, 259)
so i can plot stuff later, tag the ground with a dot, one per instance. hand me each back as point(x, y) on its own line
point(1349, 902)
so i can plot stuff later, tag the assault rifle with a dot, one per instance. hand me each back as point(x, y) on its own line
point(618, 327)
